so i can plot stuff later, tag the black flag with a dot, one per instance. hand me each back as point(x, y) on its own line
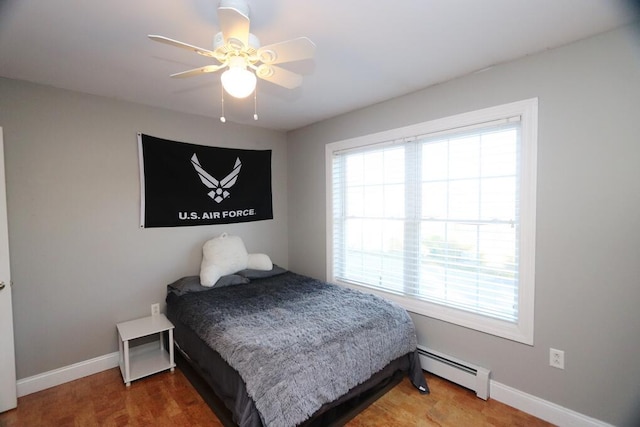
point(188, 184)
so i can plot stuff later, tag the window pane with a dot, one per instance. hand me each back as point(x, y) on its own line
point(373, 201)
point(464, 198)
point(354, 228)
point(393, 201)
point(464, 160)
point(394, 165)
point(373, 168)
point(433, 250)
point(355, 201)
point(498, 249)
point(499, 153)
point(374, 252)
point(434, 200)
point(498, 199)
point(469, 266)
point(435, 160)
point(355, 170)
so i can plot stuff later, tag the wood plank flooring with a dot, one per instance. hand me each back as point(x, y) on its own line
point(168, 399)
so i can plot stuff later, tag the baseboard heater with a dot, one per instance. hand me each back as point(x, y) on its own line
point(465, 374)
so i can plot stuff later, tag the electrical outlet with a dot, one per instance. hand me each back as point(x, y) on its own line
point(155, 309)
point(556, 358)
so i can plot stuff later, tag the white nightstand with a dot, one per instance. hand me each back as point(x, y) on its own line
point(145, 359)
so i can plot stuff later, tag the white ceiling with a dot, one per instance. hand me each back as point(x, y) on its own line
point(367, 51)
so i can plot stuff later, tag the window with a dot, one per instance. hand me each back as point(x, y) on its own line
point(440, 217)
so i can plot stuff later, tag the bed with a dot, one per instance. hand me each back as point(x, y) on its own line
point(282, 349)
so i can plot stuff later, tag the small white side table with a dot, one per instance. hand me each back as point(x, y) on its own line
point(145, 359)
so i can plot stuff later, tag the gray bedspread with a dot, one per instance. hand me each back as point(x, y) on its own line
point(297, 342)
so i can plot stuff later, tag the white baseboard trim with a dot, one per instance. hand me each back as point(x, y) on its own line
point(65, 374)
point(528, 403)
point(541, 408)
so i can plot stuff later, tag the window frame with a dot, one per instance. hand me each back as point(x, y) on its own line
point(521, 331)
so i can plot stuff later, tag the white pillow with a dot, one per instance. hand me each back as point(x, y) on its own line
point(259, 262)
point(221, 256)
point(225, 255)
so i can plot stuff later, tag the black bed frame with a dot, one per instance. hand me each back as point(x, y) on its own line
point(334, 416)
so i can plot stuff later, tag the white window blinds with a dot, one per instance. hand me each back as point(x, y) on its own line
point(434, 217)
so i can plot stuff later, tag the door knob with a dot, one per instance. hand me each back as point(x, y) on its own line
point(2, 285)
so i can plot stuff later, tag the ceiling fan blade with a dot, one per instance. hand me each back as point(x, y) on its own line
point(279, 76)
point(287, 51)
point(234, 26)
point(196, 49)
point(198, 71)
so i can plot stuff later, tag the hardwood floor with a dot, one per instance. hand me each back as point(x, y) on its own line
point(168, 399)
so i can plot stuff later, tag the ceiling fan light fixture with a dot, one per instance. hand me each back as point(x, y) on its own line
point(237, 81)
point(239, 54)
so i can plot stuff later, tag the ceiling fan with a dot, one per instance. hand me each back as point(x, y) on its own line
point(239, 52)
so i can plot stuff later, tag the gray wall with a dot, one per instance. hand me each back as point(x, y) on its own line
point(588, 217)
point(79, 261)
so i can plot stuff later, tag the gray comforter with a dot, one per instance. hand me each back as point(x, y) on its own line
point(297, 342)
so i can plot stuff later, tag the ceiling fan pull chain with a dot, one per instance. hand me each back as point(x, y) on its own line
point(255, 103)
point(222, 118)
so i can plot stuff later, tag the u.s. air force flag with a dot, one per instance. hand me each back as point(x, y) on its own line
point(187, 184)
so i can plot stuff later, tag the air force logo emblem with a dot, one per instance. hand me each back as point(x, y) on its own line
point(218, 188)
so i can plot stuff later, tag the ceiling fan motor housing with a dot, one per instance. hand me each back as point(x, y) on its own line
point(235, 45)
